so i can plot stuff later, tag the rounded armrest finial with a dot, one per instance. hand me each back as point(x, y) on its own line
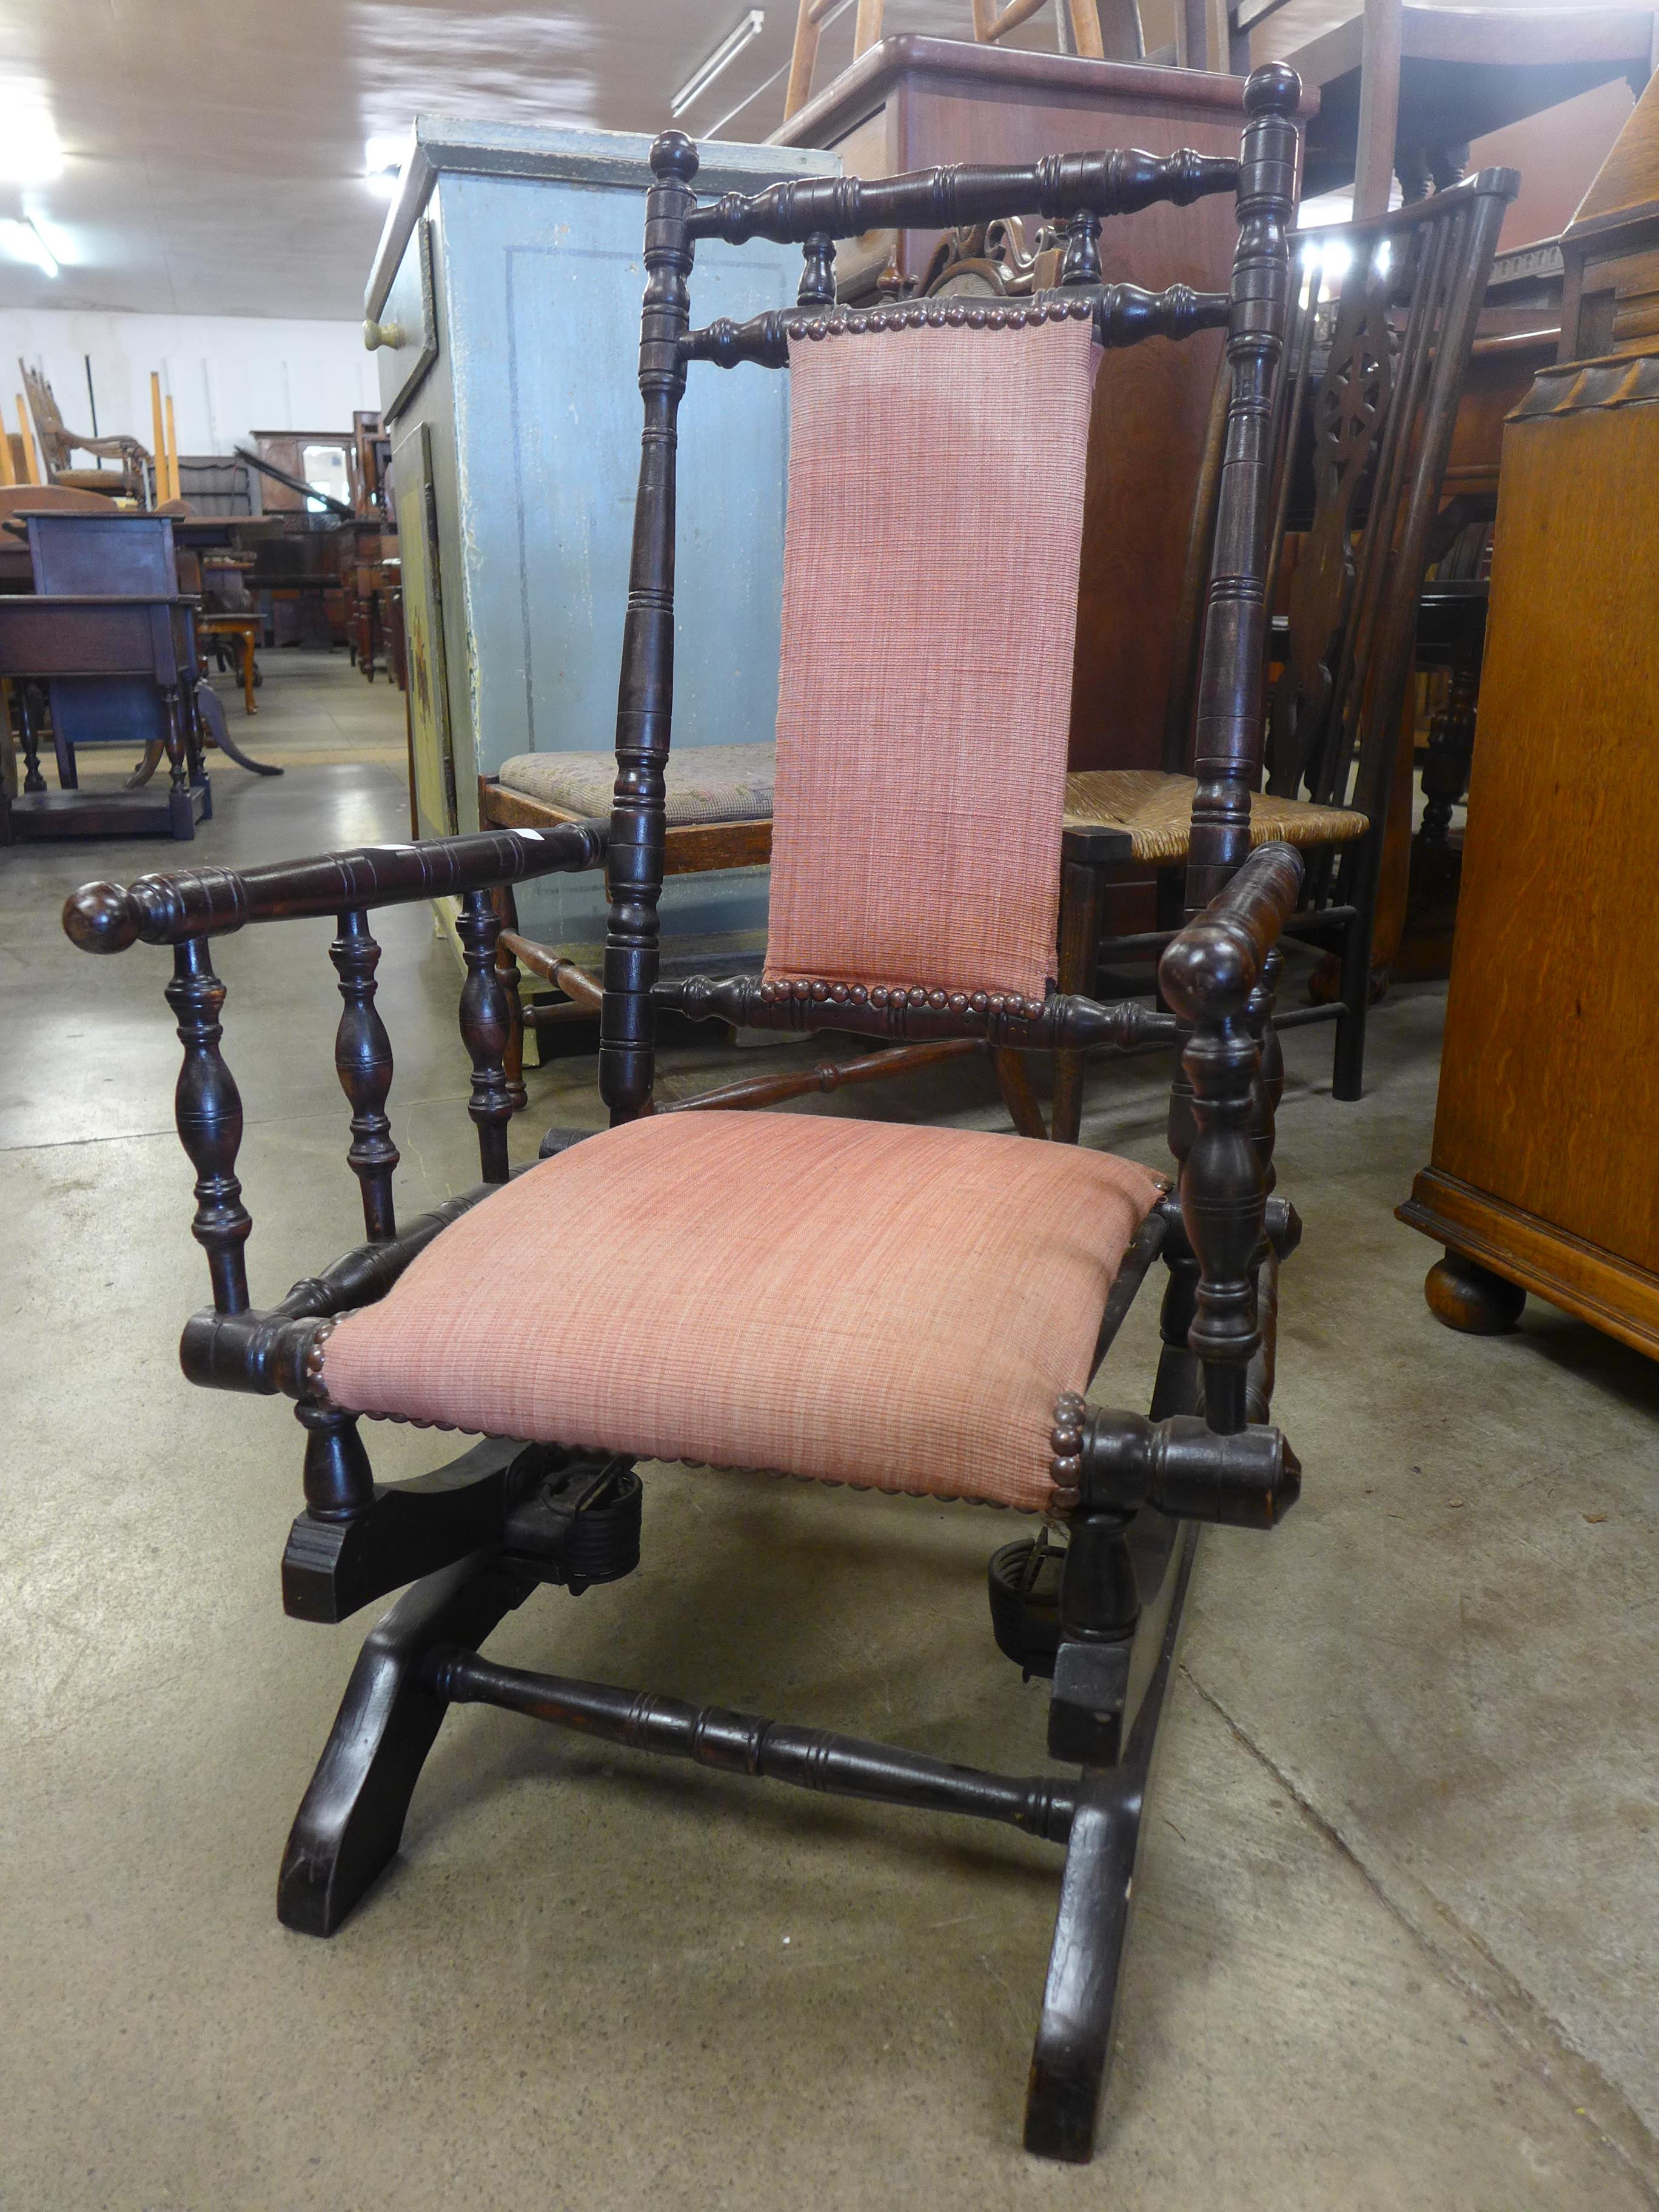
point(99, 918)
point(1275, 88)
point(673, 154)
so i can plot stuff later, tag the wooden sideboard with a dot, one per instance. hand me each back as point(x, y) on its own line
point(1546, 1129)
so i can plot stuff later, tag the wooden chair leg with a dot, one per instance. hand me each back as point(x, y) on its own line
point(1082, 892)
point(347, 1829)
point(1014, 1082)
point(1074, 2036)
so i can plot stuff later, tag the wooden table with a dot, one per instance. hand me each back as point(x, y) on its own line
point(70, 639)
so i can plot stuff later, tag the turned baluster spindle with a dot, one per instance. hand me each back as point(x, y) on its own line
point(208, 1109)
point(362, 1060)
point(1223, 1194)
point(817, 275)
point(1080, 263)
point(507, 967)
point(1270, 1081)
point(486, 1030)
point(28, 701)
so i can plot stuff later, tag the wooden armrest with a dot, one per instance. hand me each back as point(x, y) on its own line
point(187, 910)
point(1210, 969)
point(212, 901)
point(120, 447)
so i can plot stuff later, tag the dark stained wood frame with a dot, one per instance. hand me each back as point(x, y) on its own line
point(481, 1532)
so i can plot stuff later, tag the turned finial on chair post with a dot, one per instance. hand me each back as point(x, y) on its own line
point(645, 699)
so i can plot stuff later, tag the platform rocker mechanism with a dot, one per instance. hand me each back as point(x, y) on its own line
point(468, 1542)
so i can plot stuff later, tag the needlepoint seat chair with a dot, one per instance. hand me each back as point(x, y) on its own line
point(910, 1309)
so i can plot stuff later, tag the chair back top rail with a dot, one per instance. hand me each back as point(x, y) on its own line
point(213, 902)
point(1439, 207)
point(1117, 182)
point(1123, 315)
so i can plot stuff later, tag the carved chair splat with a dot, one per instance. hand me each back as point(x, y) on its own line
point(550, 1494)
point(1376, 356)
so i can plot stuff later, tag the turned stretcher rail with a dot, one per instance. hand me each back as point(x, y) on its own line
point(1123, 315)
point(1117, 182)
point(743, 1743)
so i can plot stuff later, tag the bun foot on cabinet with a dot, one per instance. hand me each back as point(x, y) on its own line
point(1467, 1297)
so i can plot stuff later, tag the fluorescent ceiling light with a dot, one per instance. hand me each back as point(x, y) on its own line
point(720, 60)
point(383, 161)
point(30, 150)
point(23, 242)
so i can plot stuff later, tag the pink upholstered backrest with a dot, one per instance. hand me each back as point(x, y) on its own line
point(935, 522)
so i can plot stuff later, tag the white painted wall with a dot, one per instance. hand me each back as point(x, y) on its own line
point(229, 375)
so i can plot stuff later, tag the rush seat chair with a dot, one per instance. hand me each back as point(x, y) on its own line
point(910, 1309)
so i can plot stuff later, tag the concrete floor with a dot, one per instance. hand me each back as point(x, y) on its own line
point(1397, 1942)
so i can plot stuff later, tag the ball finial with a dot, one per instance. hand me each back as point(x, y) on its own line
point(1273, 89)
point(99, 919)
point(672, 154)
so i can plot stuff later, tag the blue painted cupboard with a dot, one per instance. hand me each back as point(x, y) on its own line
point(504, 308)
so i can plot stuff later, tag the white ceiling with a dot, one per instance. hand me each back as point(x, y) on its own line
point(214, 148)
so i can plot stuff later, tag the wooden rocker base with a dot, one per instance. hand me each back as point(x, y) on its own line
point(423, 1658)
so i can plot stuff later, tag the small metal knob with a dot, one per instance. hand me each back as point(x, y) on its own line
point(381, 334)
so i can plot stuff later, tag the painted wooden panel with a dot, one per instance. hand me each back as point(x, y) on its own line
point(533, 408)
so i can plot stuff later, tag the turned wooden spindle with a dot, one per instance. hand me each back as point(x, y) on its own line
point(1270, 1081)
point(362, 1060)
point(208, 1109)
point(1080, 263)
point(1223, 1194)
point(339, 1483)
point(817, 275)
point(28, 707)
point(1228, 739)
point(486, 1032)
point(646, 694)
point(1218, 977)
point(507, 967)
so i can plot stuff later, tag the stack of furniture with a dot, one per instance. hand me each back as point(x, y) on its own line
point(59, 445)
point(1403, 90)
point(1547, 1122)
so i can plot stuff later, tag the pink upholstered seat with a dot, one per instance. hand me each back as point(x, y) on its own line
point(892, 1306)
